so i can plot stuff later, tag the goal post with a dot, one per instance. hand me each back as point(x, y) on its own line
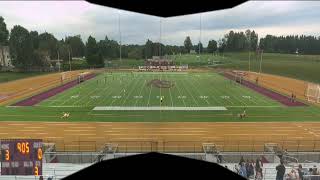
point(313, 93)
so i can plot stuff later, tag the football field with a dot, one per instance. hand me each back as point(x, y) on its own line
point(146, 89)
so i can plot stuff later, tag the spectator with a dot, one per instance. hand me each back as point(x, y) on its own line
point(301, 172)
point(236, 168)
point(280, 171)
point(250, 170)
point(293, 175)
point(247, 167)
point(259, 163)
point(220, 160)
point(241, 160)
point(308, 173)
point(315, 172)
point(243, 171)
point(259, 175)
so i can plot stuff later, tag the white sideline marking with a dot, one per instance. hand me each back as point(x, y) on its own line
point(154, 108)
point(76, 96)
point(257, 106)
point(178, 73)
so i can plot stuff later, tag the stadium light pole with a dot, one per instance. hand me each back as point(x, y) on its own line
point(249, 52)
point(59, 61)
point(200, 37)
point(160, 38)
point(69, 59)
point(260, 61)
point(119, 27)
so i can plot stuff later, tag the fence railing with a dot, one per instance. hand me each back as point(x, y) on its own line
point(226, 145)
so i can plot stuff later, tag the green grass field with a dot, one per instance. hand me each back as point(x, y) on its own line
point(189, 90)
point(303, 67)
point(132, 89)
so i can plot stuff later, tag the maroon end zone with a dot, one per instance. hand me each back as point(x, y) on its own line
point(52, 92)
point(271, 94)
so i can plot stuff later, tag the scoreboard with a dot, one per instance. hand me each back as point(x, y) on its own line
point(21, 157)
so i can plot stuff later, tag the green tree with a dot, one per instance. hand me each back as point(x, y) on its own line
point(21, 47)
point(148, 52)
point(212, 46)
point(35, 39)
point(94, 58)
point(76, 45)
point(48, 43)
point(187, 44)
point(4, 33)
point(199, 45)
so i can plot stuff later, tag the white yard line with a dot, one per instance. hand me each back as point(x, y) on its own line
point(192, 85)
point(176, 85)
point(150, 93)
point(132, 89)
point(169, 91)
point(186, 89)
point(216, 92)
point(143, 86)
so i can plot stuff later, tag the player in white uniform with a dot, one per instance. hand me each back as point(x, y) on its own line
point(65, 115)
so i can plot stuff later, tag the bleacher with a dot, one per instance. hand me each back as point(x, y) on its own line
point(69, 162)
point(269, 169)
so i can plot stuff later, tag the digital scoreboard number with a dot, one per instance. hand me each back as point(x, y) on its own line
point(21, 157)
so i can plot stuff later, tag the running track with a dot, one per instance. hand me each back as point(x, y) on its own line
point(233, 136)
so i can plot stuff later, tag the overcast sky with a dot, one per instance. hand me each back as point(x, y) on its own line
point(63, 18)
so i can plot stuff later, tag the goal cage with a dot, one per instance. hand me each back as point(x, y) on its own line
point(313, 93)
point(238, 77)
point(65, 76)
point(80, 78)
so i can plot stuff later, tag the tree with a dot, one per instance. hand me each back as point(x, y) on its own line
point(63, 50)
point(48, 43)
point(21, 47)
point(76, 45)
point(212, 46)
point(187, 44)
point(94, 58)
point(199, 45)
point(148, 52)
point(35, 39)
point(4, 33)
point(222, 44)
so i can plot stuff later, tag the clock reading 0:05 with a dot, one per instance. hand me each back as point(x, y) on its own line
point(23, 147)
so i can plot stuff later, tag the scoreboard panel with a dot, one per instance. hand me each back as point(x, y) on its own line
point(21, 156)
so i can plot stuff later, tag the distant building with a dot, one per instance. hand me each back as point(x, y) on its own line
point(5, 60)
